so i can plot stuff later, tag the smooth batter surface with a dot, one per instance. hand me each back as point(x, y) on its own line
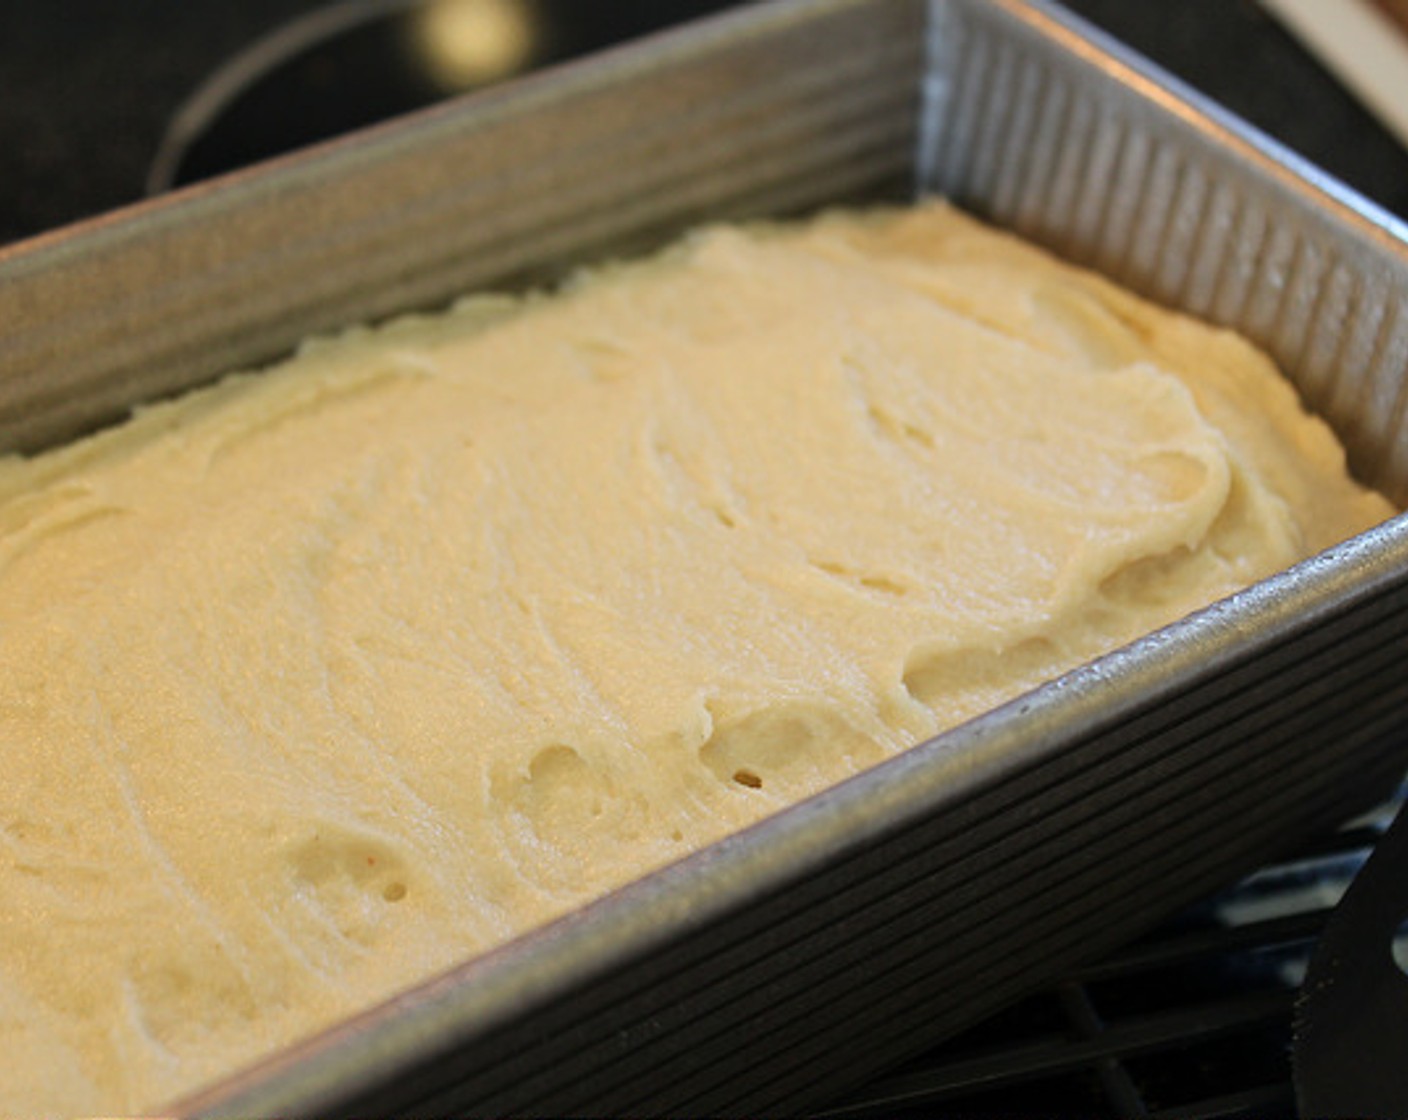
point(318, 682)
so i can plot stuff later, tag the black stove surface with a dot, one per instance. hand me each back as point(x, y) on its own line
point(89, 88)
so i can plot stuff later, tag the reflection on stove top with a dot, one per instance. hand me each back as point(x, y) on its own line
point(350, 64)
point(89, 88)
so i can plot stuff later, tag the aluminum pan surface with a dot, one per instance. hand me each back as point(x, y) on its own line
point(812, 101)
point(1113, 164)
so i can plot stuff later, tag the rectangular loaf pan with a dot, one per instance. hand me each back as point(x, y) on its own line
point(788, 962)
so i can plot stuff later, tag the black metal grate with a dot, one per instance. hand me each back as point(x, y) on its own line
point(1191, 1021)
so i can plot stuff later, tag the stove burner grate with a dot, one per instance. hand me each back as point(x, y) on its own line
point(1194, 1020)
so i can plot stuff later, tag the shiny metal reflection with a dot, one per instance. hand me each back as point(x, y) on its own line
point(249, 67)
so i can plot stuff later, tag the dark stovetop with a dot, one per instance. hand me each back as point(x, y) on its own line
point(87, 87)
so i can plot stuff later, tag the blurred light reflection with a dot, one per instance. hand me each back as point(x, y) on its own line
point(466, 43)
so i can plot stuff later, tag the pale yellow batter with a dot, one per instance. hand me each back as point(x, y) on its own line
point(317, 682)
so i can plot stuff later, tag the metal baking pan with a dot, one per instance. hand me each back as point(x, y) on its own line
point(793, 959)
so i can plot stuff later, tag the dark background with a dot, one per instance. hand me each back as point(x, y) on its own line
point(87, 87)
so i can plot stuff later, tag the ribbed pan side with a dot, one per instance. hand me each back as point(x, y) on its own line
point(1079, 151)
point(741, 117)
